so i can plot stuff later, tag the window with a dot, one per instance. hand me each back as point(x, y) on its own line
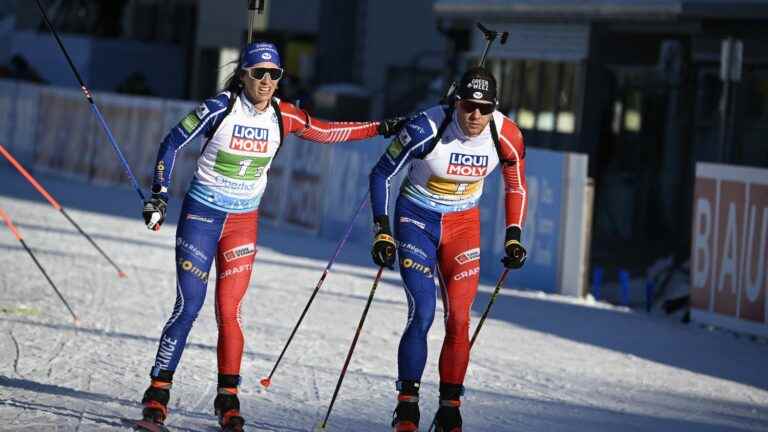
point(537, 95)
point(633, 119)
point(566, 101)
point(510, 85)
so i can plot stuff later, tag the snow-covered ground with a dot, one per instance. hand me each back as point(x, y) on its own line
point(542, 363)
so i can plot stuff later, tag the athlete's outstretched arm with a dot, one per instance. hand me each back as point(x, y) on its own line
point(410, 142)
point(513, 171)
point(201, 120)
point(299, 122)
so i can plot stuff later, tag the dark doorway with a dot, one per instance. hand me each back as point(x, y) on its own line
point(634, 211)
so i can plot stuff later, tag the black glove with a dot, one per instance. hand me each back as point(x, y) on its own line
point(383, 250)
point(154, 211)
point(516, 253)
point(389, 127)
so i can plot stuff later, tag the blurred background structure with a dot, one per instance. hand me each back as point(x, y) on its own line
point(637, 85)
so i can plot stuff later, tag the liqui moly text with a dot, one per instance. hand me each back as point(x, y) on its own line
point(468, 165)
point(250, 139)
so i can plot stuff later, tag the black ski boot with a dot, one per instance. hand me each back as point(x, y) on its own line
point(155, 407)
point(227, 405)
point(448, 418)
point(227, 409)
point(406, 415)
point(155, 402)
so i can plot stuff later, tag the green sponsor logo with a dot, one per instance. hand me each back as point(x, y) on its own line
point(190, 122)
point(240, 167)
point(395, 148)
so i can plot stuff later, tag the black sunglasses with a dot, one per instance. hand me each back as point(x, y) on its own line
point(258, 73)
point(484, 108)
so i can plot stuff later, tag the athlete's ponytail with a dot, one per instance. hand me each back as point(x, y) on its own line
point(234, 83)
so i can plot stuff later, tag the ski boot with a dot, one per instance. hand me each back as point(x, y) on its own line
point(448, 418)
point(155, 406)
point(227, 409)
point(406, 415)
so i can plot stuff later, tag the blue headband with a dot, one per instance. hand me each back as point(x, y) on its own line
point(259, 52)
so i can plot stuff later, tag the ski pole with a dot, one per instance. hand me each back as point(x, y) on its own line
point(351, 349)
point(496, 290)
point(15, 232)
point(488, 306)
point(56, 205)
point(267, 381)
point(94, 108)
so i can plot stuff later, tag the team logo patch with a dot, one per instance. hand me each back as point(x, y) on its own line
point(188, 266)
point(419, 267)
point(202, 111)
point(468, 256)
point(478, 84)
point(407, 247)
point(180, 242)
point(160, 171)
point(467, 165)
point(199, 218)
point(239, 252)
point(404, 219)
point(477, 95)
point(467, 273)
point(235, 270)
point(266, 56)
point(190, 122)
point(404, 137)
point(249, 139)
point(395, 148)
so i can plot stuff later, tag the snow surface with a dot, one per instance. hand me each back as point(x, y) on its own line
point(542, 362)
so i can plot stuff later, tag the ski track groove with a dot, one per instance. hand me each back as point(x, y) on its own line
point(60, 344)
point(17, 348)
point(536, 389)
point(83, 412)
point(206, 397)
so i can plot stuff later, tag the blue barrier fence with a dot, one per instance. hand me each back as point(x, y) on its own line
point(312, 187)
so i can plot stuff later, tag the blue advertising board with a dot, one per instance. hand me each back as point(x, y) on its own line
point(543, 224)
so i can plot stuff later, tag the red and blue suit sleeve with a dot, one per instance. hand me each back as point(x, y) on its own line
point(298, 121)
point(199, 121)
point(413, 141)
point(513, 172)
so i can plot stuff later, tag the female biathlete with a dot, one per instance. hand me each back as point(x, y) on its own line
point(437, 230)
point(244, 127)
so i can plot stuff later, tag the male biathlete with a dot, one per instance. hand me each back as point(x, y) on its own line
point(450, 151)
point(244, 128)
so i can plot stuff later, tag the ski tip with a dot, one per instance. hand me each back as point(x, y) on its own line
point(121, 274)
point(265, 382)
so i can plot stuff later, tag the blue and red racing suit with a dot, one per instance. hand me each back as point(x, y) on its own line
point(437, 226)
point(219, 215)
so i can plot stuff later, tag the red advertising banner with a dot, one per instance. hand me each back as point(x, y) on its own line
point(729, 247)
